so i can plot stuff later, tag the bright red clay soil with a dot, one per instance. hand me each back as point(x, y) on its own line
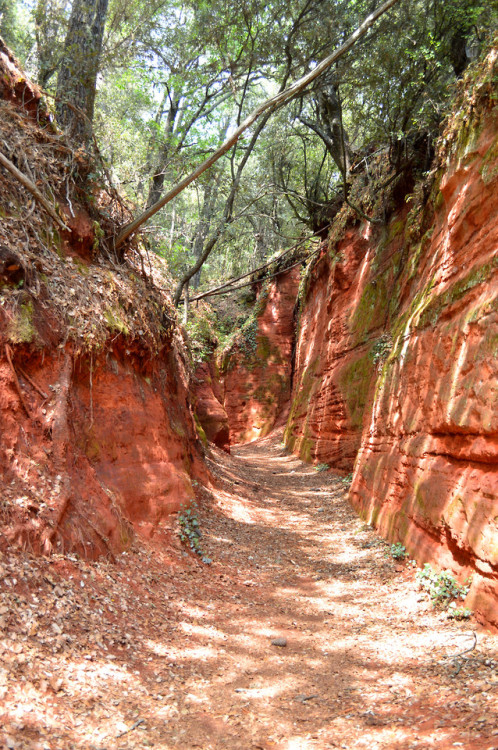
point(170, 653)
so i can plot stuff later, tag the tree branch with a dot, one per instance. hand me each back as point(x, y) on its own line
point(269, 106)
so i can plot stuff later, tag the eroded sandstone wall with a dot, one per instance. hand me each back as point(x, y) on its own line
point(397, 366)
point(427, 469)
point(257, 368)
point(206, 396)
point(341, 322)
point(110, 451)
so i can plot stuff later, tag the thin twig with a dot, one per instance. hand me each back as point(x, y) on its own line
point(133, 726)
point(467, 650)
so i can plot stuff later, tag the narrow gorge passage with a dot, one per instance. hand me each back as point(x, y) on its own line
point(158, 650)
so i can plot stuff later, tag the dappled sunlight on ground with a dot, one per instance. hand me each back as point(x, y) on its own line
point(161, 651)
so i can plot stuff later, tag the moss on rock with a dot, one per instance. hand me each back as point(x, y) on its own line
point(355, 380)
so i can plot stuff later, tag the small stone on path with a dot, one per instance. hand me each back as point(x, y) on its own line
point(279, 642)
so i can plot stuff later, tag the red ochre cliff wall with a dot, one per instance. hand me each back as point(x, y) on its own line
point(109, 452)
point(257, 367)
point(342, 316)
point(427, 470)
point(207, 399)
point(397, 369)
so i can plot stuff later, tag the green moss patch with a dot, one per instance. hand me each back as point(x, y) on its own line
point(200, 431)
point(303, 394)
point(371, 310)
point(21, 329)
point(115, 320)
point(354, 381)
point(489, 167)
point(475, 277)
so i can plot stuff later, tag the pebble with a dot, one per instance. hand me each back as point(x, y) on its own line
point(279, 642)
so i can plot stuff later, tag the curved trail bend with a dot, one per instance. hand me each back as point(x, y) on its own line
point(168, 653)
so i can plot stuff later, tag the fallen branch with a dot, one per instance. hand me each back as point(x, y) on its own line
point(8, 354)
point(31, 187)
point(210, 292)
point(257, 281)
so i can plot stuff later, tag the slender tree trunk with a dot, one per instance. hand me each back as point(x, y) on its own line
point(76, 85)
point(330, 114)
point(157, 182)
point(149, 160)
point(185, 309)
point(329, 127)
point(259, 243)
point(202, 229)
point(259, 248)
point(47, 19)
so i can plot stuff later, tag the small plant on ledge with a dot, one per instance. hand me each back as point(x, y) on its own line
point(443, 588)
point(189, 531)
point(397, 551)
point(458, 613)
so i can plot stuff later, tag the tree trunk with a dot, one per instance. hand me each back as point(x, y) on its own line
point(76, 84)
point(458, 51)
point(185, 309)
point(47, 34)
point(329, 127)
point(227, 213)
point(330, 115)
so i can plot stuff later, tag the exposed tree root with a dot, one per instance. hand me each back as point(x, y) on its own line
point(8, 354)
point(101, 537)
point(32, 383)
point(31, 187)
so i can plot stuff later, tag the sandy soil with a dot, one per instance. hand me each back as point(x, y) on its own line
point(160, 650)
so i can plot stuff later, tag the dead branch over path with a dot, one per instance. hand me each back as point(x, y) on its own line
point(269, 106)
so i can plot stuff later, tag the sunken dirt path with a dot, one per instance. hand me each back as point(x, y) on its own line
point(157, 650)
